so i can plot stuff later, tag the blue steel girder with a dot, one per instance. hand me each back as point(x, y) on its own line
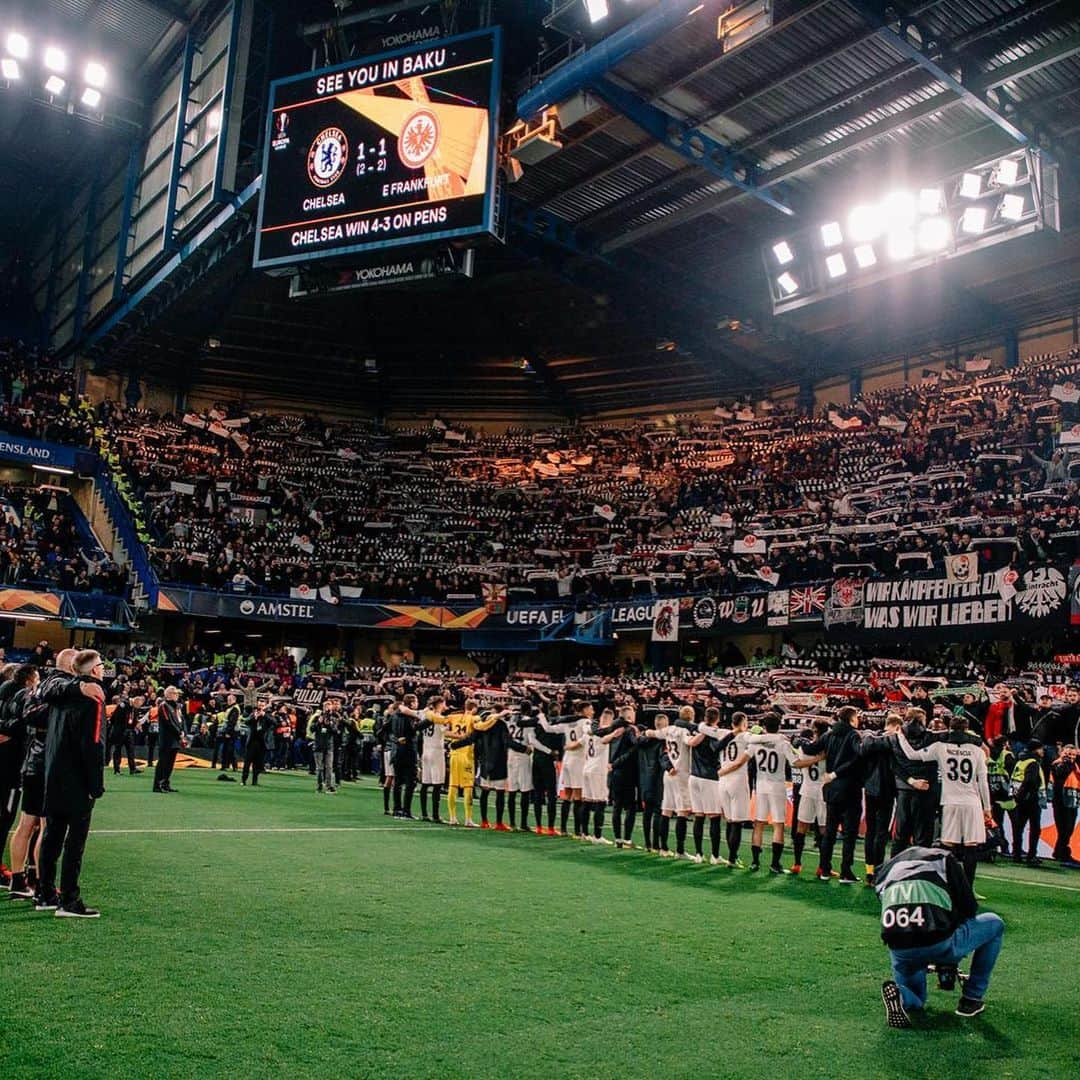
point(690, 142)
point(180, 130)
point(595, 62)
point(894, 30)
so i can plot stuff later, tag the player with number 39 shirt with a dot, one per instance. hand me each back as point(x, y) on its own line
point(965, 792)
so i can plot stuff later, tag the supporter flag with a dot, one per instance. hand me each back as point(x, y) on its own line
point(1066, 391)
point(749, 545)
point(767, 573)
point(494, 598)
point(844, 423)
point(962, 569)
point(193, 420)
point(605, 512)
point(977, 363)
point(805, 603)
point(665, 625)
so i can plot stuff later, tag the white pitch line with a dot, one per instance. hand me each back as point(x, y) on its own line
point(424, 828)
point(1020, 881)
point(267, 829)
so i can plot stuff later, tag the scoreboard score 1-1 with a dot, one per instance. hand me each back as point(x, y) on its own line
point(388, 150)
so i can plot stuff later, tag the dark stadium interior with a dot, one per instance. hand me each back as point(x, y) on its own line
point(646, 430)
point(848, 114)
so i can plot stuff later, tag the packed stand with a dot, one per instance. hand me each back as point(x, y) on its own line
point(42, 546)
point(752, 499)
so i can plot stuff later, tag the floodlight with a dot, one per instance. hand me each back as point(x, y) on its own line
point(55, 59)
point(898, 209)
point(934, 234)
point(787, 283)
point(95, 74)
point(865, 255)
point(836, 265)
point(54, 85)
point(91, 98)
point(783, 253)
point(9, 68)
point(901, 244)
point(832, 234)
point(1007, 172)
point(974, 220)
point(1012, 207)
point(597, 9)
point(931, 200)
point(971, 185)
point(18, 46)
point(865, 223)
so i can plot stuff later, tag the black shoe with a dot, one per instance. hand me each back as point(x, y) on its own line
point(169, 788)
point(19, 889)
point(407, 816)
point(116, 772)
point(776, 869)
point(755, 867)
point(848, 879)
point(137, 772)
point(44, 902)
point(159, 790)
point(895, 1014)
point(77, 910)
point(1033, 861)
point(969, 1007)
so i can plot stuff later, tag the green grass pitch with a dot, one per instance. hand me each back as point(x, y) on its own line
point(327, 940)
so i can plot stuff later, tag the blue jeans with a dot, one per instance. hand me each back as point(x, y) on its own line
point(980, 936)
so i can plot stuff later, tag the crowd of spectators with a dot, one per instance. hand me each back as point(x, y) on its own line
point(754, 497)
point(41, 545)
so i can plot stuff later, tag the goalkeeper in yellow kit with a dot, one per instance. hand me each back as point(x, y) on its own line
point(462, 763)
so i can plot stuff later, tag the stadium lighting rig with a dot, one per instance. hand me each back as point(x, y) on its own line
point(48, 72)
point(903, 229)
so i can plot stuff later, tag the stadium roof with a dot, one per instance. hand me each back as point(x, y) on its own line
point(655, 291)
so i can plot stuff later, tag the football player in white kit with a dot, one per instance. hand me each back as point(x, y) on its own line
point(965, 792)
point(772, 753)
point(572, 776)
point(675, 761)
point(811, 800)
point(734, 781)
point(519, 768)
point(432, 758)
point(594, 791)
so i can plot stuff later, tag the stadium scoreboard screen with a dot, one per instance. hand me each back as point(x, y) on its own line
point(384, 151)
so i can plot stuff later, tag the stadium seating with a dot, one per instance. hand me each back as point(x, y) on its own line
point(747, 499)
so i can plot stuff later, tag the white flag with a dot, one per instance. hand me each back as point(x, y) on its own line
point(962, 569)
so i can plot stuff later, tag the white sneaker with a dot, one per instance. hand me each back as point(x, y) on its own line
point(715, 860)
point(698, 859)
point(628, 844)
point(471, 825)
point(605, 841)
point(667, 854)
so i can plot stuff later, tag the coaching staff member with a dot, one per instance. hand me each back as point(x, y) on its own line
point(171, 739)
point(929, 916)
point(74, 780)
point(843, 781)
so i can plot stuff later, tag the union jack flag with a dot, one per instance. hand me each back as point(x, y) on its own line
point(806, 603)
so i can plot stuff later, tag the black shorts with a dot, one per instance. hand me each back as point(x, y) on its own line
point(33, 800)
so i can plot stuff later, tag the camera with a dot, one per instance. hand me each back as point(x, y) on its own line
point(946, 977)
